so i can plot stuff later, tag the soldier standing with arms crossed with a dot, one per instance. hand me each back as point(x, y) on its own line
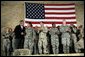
point(6, 42)
point(65, 30)
point(42, 38)
point(54, 38)
point(73, 35)
point(29, 38)
point(36, 41)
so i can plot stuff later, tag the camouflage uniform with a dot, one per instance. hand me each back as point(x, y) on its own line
point(36, 42)
point(73, 36)
point(42, 40)
point(30, 35)
point(6, 43)
point(13, 41)
point(80, 44)
point(65, 38)
point(54, 40)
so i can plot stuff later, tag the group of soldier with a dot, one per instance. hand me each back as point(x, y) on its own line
point(39, 40)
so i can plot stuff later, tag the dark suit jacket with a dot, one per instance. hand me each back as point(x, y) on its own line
point(18, 31)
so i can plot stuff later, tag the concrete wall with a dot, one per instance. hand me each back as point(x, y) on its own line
point(13, 11)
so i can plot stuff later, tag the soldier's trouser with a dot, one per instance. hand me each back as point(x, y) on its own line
point(28, 44)
point(13, 44)
point(55, 44)
point(74, 40)
point(6, 47)
point(42, 41)
point(36, 45)
point(35, 48)
point(66, 44)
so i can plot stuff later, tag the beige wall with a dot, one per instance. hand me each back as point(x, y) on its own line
point(13, 11)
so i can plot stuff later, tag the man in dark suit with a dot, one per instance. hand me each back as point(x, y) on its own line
point(19, 35)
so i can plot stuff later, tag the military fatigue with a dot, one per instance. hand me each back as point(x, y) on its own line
point(54, 40)
point(30, 35)
point(80, 43)
point(81, 33)
point(11, 44)
point(73, 36)
point(36, 42)
point(6, 43)
point(42, 40)
point(13, 41)
point(65, 38)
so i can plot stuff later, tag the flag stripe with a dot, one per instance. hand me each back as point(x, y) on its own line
point(59, 8)
point(56, 15)
point(59, 4)
point(50, 22)
point(71, 6)
point(59, 13)
point(60, 17)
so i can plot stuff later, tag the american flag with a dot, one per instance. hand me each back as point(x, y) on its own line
point(49, 13)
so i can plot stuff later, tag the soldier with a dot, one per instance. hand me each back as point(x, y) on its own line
point(29, 38)
point(60, 44)
point(11, 40)
point(80, 28)
point(80, 43)
point(65, 30)
point(36, 41)
point(54, 38)
point(42, 38)
point(6, 42)
point(73, 35)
